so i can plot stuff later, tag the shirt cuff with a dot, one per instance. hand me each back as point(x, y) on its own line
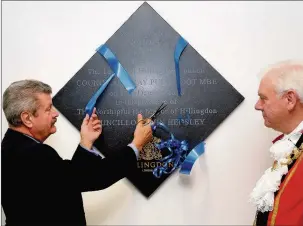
point(95, 152)
point(134, 148)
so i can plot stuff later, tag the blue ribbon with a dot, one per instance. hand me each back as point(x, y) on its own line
point(195, 153)
point(180, 46)
point(118, 70)
point(91, 104)
point(177, 154)
point(178, 149)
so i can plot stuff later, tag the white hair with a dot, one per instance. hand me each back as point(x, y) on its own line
point(289, 77)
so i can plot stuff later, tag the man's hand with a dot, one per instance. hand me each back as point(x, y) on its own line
point(142, 134)
point(91, 129)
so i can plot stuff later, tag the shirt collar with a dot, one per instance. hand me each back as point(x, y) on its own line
point(32, 138)
point(295, 135)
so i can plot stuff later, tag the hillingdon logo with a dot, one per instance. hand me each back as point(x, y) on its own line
point(150, 157)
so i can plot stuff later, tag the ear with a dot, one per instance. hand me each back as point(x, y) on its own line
point(26, 118)
point(292, 99)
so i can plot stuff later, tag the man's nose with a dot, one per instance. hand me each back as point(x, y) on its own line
point(55, 113)
point(258, 105)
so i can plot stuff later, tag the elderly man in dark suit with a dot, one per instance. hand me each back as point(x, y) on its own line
point(38, 186)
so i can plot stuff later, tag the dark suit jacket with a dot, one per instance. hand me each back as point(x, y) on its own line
point(40, 188)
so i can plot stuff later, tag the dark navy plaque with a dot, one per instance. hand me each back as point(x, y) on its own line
point(145, 45)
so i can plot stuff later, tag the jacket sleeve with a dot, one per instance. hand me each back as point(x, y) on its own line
point(85, 170)
point(95, 173)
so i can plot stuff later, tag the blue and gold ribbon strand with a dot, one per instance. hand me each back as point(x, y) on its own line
point(118, 70)
point(180, 46)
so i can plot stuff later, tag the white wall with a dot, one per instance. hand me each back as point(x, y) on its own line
point(51, 41)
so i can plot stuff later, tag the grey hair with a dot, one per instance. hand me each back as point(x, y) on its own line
point(290, 77)
point(21, 96)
